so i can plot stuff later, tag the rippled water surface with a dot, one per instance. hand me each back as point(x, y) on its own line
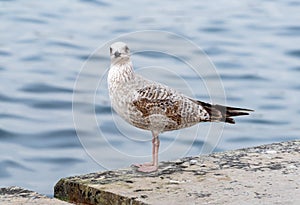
point(43, 45)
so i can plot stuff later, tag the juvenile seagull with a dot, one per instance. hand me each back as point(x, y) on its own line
point(156, 107)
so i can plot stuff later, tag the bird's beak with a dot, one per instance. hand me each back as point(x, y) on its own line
point(117, 54)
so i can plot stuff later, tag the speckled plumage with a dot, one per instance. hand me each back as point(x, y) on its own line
point(153, 106)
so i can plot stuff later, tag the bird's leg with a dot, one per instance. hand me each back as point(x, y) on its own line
point(151, 167)
point(155, 148)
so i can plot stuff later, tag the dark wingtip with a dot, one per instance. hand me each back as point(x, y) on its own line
point(233, 112)
point(224, 113)
point(230, 120)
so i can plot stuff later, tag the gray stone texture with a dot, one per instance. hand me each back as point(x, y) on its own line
point(267, 174)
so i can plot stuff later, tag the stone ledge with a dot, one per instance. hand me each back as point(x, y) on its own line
point(16, 196)
point(267, 174)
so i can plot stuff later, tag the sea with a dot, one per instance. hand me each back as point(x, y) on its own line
point(56, 118)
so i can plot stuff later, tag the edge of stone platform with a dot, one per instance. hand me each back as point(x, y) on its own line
point(80, 189)
point(16, 195)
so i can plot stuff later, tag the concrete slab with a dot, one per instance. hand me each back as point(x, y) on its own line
point(267, 174)
point(16, 196)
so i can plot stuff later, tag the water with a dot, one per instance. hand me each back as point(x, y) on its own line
point(254, 45)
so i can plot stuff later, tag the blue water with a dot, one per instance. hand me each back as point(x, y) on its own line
point(43, 46)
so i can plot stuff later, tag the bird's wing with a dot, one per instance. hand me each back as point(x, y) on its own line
point(154, 99)
point(158, 99)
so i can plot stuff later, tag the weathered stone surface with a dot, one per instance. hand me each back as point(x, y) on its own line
point(16, 196)
point(267, 174)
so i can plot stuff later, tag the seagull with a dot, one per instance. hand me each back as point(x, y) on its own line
point(154, 106)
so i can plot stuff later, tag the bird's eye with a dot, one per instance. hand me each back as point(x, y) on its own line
point(126, 49)
point(110, 50)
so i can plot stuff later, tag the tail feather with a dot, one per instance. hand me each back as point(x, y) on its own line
point(220, 113)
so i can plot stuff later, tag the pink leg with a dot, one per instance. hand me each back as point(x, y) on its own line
point(155, 148)
point(151, 167)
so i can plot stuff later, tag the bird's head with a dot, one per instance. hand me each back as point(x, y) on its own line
point(119, 51)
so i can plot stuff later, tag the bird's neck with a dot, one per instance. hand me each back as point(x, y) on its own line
point(121, 72)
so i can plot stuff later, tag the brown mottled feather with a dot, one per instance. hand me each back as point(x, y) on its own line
point(158, 106)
